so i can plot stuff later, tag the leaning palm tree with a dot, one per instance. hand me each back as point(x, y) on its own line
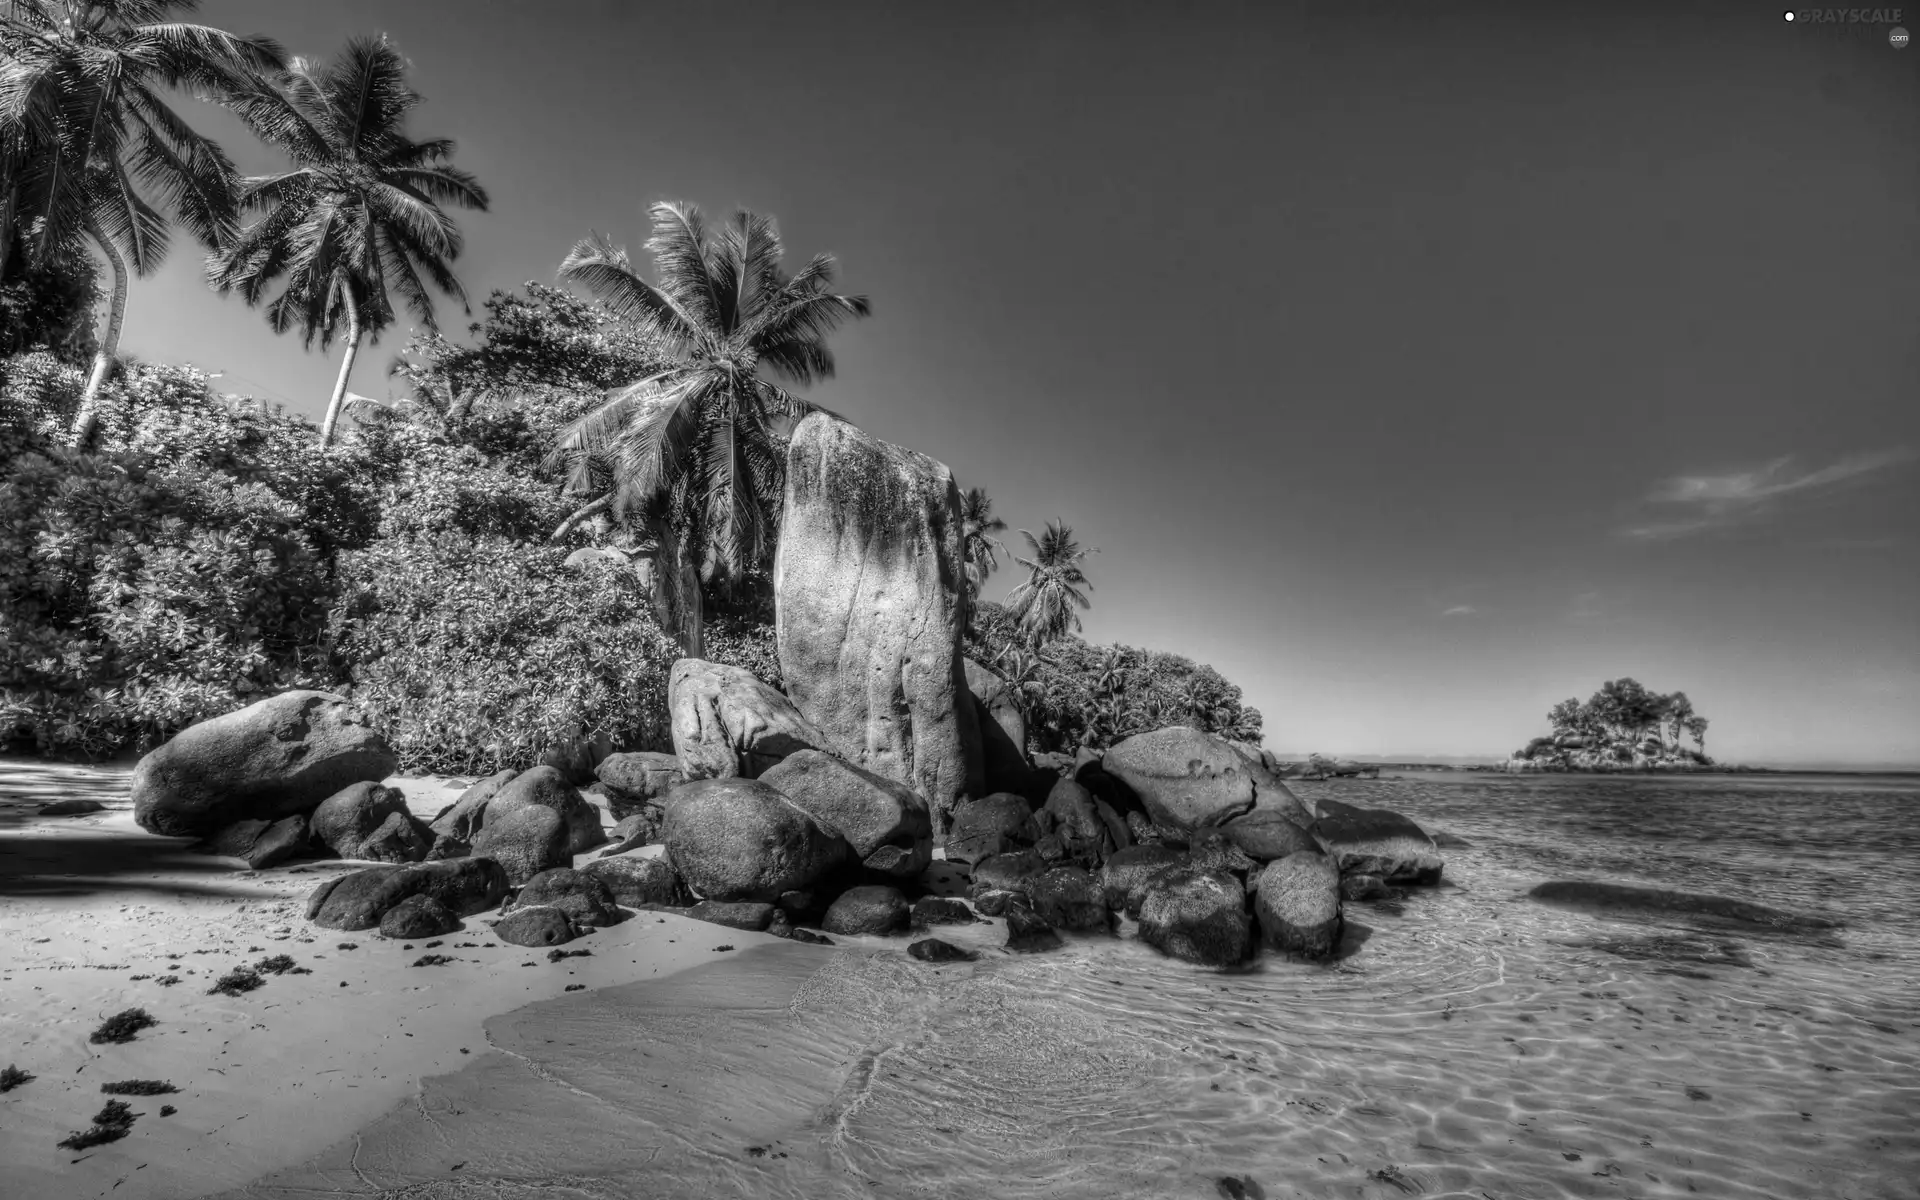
point(90, 148)
point(1043, 604)
point(360, 217)
point(697, 450)
point(979, 547)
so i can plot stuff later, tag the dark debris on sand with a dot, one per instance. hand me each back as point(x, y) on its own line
point(237, 982)
point(557, 955)
point(431, 960)
point(110, 1124)
point(139, 1087)
point(13, 1077)
point(122, 1026)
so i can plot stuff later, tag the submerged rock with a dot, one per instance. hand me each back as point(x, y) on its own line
point(1297, 901)
point(275, 758)
point(1613, 896)
point(936, 951)
point(71, 808)
point(1198, 916)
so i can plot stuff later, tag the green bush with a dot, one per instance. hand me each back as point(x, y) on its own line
point(741, 641)
point(474, 654)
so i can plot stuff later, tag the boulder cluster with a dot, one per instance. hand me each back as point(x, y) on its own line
point(817, 805)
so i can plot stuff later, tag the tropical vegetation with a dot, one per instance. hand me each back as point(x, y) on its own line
point(1623, 723)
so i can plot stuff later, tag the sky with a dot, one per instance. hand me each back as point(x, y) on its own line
point(1416, 365)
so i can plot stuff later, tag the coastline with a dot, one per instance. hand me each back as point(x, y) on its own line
point(268, 1078)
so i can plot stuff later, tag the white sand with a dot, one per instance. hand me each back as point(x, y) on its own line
point(267, 1079)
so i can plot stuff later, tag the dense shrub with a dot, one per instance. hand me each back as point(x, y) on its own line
point(740, 641)
point(47, 304)
point(477, 654)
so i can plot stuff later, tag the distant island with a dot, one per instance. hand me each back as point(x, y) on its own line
point(1622, 727)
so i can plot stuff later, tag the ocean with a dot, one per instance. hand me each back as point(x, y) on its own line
point(1471, 1043)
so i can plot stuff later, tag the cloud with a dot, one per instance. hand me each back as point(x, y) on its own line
point(1690, 504)
point(1460, 610)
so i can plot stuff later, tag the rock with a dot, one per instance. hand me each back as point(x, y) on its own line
point(1212, 850)
point(727, 722)
point(586, 899)
point(73, 808)
point(1377, 841)
point(635, 830)
point(401, 838)
point(418, 916)
point(358, 900)
point(734, 914)
point(1264, 835)
point(874, 909)
point(1066, 898)
point(869, 609)
point(447, 846)
point(1199, 916)
point(1027, 933)
point(1144, 832)
point(352, 821)
point(994, 902)
point(634, 881)
point(1186, 779)
point(936, 951)
point(462, 819)
point(886, 824)
point(796, 903)
point(740, 839)
point(940, 910)
point(1365, 887)
point(276, 758)
point(546, 787)
point(996, 824)
point(262, 844)
point(1605, 897)
point(1297, 900)
point(1003, 729)
point(525, 842)
point(1085, 839)
point(633, 781)
point(576, 755)
point(535, 926)
point(1006, 872)
point(1123, 880)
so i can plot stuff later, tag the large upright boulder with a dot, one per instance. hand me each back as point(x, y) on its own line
point(1297, 901)
point(1003, 729)
point(885, 823)
point(869, 608)
point(274, 758)
point(727, 722)
point(1186, 779)
point(740, 839)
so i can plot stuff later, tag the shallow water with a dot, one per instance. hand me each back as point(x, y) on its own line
point(1472, 1044)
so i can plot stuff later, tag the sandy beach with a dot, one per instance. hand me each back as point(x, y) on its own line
point(97, 915)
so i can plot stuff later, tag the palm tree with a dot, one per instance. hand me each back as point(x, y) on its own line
point(361, 214)
point(978, 545)
point(698, 448)
point(1044, 603)
point(88, 143)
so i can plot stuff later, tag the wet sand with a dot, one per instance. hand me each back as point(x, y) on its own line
point(96, 914)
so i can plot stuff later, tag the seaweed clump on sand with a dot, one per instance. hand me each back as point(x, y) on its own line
point(12, 1077)
point(139, 1087)
point(110, 1124)
point(236, 982)
point(122, 1026)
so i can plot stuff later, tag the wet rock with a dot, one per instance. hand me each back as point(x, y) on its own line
point(994, 902)
point(940, 910)
point(887, 825)
point(936, 951)
point(752, 915)
point(871, 910)
point(418, 916)
point(525, 842)
point(1006, 872)
point(739, 839)
point(261, 844)
point(76, 808)
point(1123, 880)
point(463, 818)
point(1365, 887)
point(1297, 901)
point(276, 758)
point(1066, 898)
point(534, 926)
point(728, 723)
point(635, 881)
point(1376, 841)
point(547, 787)
point(1212, 850)
point(1199, 916)
point(1185, 779)
point(585, 898)
point(358, 900)
point(869, 609)
point(638, 780)
point(1001, 823)
point(1028, 933)
point(1611, 897)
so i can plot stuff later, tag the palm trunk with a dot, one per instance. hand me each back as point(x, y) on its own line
point(7, 203)
point(567, 526)
point(86, 420)
point(346, 369)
